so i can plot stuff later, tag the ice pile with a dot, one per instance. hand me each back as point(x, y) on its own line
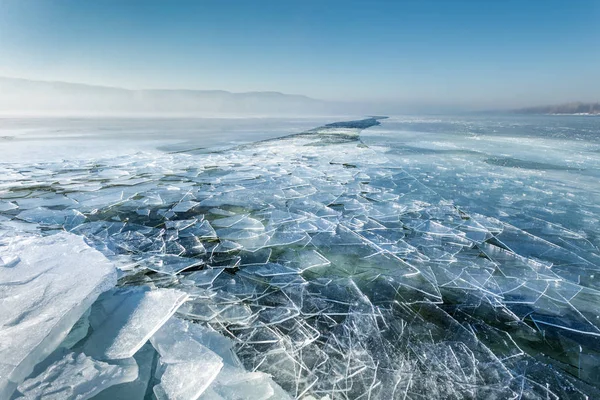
point(310, 267)
point(46, 286)
point(68, 333)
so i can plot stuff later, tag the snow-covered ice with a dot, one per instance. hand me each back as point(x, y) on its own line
point(76, 377)
point(48, 285)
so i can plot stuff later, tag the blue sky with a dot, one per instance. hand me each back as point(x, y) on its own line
point(471, 53)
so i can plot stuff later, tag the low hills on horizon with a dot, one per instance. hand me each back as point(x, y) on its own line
point(33, 97)
point(45, 97)
point(566, 108)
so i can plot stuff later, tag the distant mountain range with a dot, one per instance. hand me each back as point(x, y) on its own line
point(568, 108)
point(30, 96)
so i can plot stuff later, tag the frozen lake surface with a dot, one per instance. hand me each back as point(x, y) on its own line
point(398, 258)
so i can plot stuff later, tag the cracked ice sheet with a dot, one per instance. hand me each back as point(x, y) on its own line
point(353, 249)
point(50, 284)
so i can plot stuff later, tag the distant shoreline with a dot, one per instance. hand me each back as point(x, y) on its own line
point(578, 108)
point(574, 114)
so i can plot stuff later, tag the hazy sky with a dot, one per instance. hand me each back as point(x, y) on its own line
point(480, 52)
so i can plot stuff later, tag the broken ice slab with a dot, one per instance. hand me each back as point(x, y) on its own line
point(50, 200)
point(236, 383)
point(55, 281)
point(187, 368)
point(136, 389)
point(78, 331)
point(269, 269)
point(201, 230)
point(242, 288)
point(169, 264)
point(257, 257)
point(233, 381)
point(132, 315)
point(253, 243)
point(7, 206)
point(221, 345)
point(528, 245)
point(283, 237)
point(183, 223)
point(131, 241)
point(221, 307)
point(204, 277)
point(219, 211)
point(66, 219)
point(184, 206)
point(192, 246)
point(239, 222)
point(226, 246)
point(277, 217)
point(106, 197)
point(240, 235)
point(303, 259)
point(76, 376)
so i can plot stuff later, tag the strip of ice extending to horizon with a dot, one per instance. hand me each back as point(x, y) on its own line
point(305, 267)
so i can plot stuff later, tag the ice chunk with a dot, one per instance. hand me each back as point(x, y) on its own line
point(237, 383)
point(303, 259)
point(55, 281)
point(78, 331)
point(134, 390)
point(201, 231)
point(106, 197)
point(239, 222)
point(233, 381)
point(187, 368)
point(52, 218)
point(132, 316)
point(181, 224)
point(170, 264)
point(222, 309)
point(184, 206)
point(7, 206)
point(205, 277)
point(77, 377)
